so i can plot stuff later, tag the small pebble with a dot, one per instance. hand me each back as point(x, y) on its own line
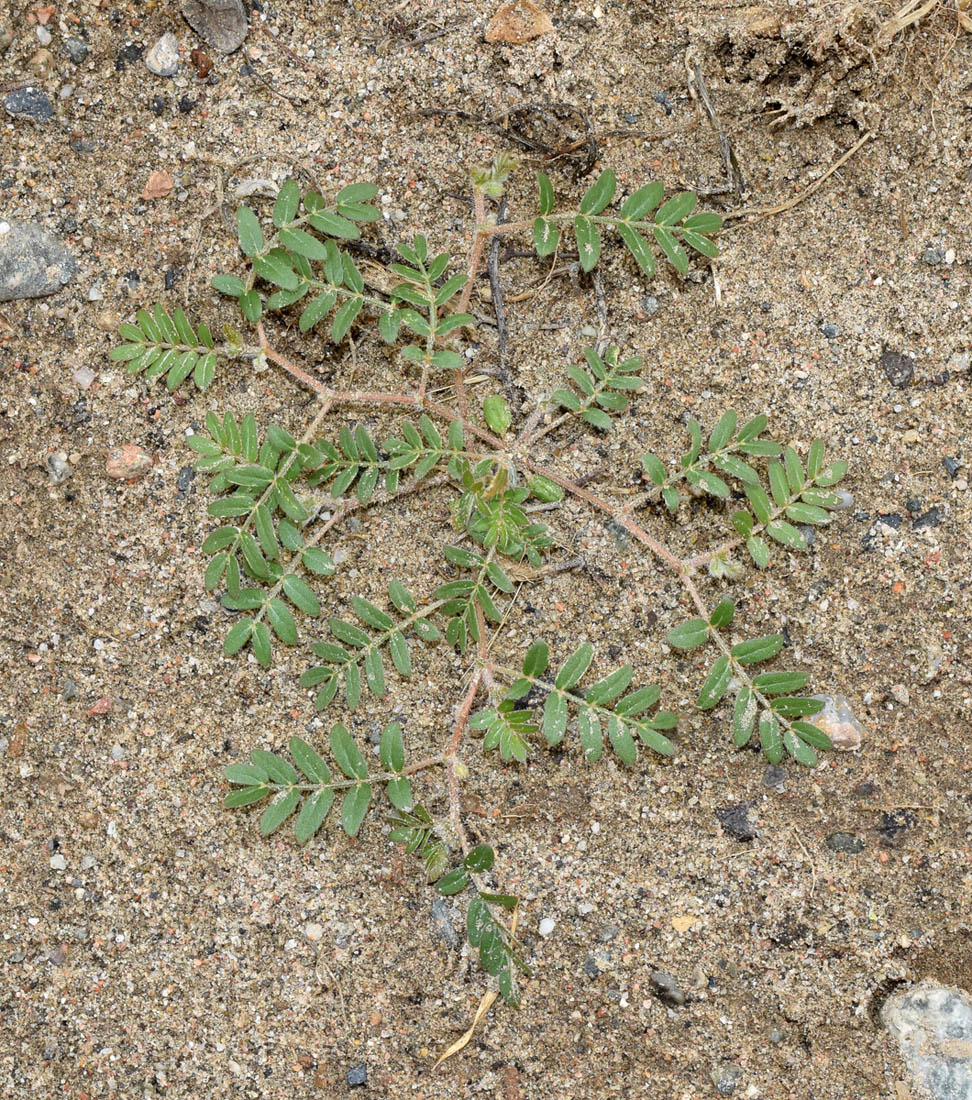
point(667, 988)
point(931, 518)
point(101, 707)
point(952, 466)
point(845, 842)
point(84, 376)
point(357, 1076)
point(837, 721)
point(43, 36)
point(650, 305)
point(900, 694)
point(898, 369)
point(314, 932)
point(58, 862)
point(163, 58)
point(57, 467)
point(76, 49)
point(128, 462)
point(775, 777)
point(117, 752)
point(547, 925)
point(221, 25)
point(932, 256)
point(31, 103)
point(69, 690)
point(735, 821)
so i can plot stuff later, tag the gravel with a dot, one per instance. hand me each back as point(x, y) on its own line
point(34, 262)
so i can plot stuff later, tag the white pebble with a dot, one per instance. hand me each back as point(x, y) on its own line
point(58, 863)
point(547, 925)
point(313, 932)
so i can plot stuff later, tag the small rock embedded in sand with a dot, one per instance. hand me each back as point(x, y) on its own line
point(932, 1024)
point(837, 721)
point(898, 369)
point(313, 932)
point(517, 23)
point(221, 24)
point(547, 925)
point(667, 988)
point(57, 467)
point(157, 186)
point(735, 821)
point(163, 58)
point(31, 103)
point(128, 462)
point(33, 262)
point(102, 706)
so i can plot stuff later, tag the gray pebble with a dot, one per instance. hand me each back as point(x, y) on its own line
point(952, 466)
point(58, 469)
point(591, 969)
point(442, 928)
point(831, 331)
point(932, 256)
point(774, 776)
point(735, 821)
point(43, 36)
point(76, 49)
point(163, 58)
point(933, 1028)
point(33, 262)
point(32, 103)
point(221, 24)
point(667, 988)
point(725, 1079)
point(357, 1076)
point(776, 1036)
point(931, 518)
point(185, 478)
point(845, 842)
point(608, 932)
point(649, 305)
point(898, 369)
point(69, 689)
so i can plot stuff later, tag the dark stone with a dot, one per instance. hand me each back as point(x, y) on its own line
point(357, 1076)
point(898, 369)
point(29, 103)
point(890, 519)
point(664, 100)
point(952, 466)
point(591, 969)
point(893, 824)
point(931, 518)
point(129, 52)
point(169, 279)
point(221, 24)
point(158, 104)
point(830, 331)
point(913, 504)
point(33, 262)
point(186, 104)
point(666, 988)
point(185, 478)
point(735, 821)
point(774, 776)
point(76, 49)
point(864, 790)
point(845, 842)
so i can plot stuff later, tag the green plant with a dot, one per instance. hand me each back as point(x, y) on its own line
point(276, 498)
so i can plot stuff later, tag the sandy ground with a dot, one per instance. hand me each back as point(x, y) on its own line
point(152, 943)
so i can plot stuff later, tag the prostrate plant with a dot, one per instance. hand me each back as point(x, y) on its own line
point(277, 498)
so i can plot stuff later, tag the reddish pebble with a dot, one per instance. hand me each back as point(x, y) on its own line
point(375, 1019)
point(101, 707)
point(128, 462)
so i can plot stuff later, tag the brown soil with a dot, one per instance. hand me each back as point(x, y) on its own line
point(169, 956)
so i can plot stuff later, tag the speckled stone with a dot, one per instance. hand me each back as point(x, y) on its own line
point(33, 262)
point(933, 1027)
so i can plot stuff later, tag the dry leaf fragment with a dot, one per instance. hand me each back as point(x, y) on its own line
point(158, 186)
point(517, 23)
